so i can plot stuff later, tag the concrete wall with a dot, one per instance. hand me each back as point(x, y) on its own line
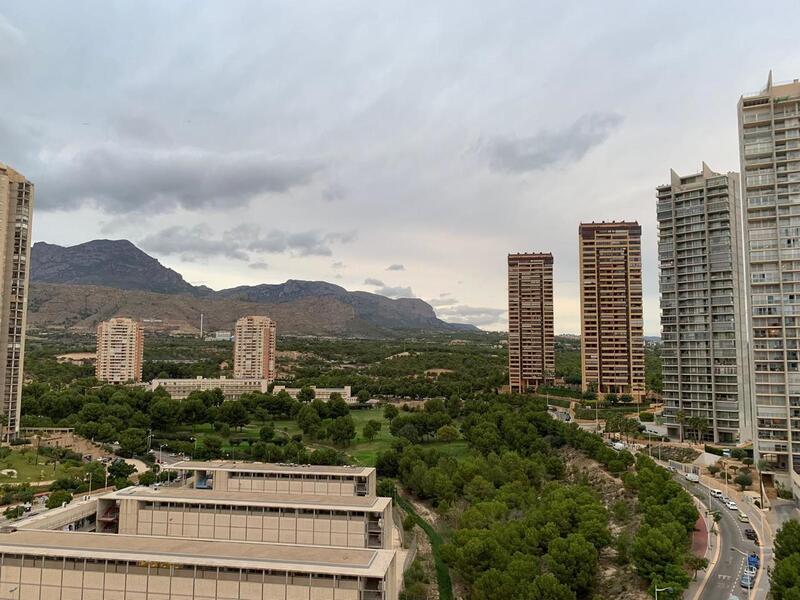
point(31, 578)
point(256, 524)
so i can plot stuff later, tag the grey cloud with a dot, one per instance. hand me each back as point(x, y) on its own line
point(137, 180)
point(474, 315)
point(11, 40)
point(548, 148)
point(191, 243)
point(442, 302)
point(395, 292)
point(259, 266)
point(198, 242)
point(396, 267)
point(338, 265)
point(372, 281)
point(333, 192)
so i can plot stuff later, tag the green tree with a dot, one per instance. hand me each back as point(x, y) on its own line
point(787, 540)
point(390, 412)
point(573, 561)
point(371, 429)
point(133, 441)
point(363, 396)
point(164, 413)
point(234, 413)
point(58, 498)
point(306, 394)
point(193, 411)
point(743, 480)
point(267, 432)
point(447, 433)
point(454, 405)
point(342, 430)
point(786, 578)
point(308, 420)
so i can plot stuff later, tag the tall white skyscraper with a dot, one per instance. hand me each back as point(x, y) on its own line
point(705, 374)
point(769, 149)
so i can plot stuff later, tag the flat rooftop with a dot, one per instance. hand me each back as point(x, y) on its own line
point(191, 495)
point(256, 467)
point(239, 555)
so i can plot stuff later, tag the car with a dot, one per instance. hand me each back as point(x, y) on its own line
point(716, 494)
point(743, 517)
point(754, 561)
point(733, 597)
point(725, 499)
point(692, 477)
point(752, 571)
point(747, 582)
point(731, 505)
point(750, 534)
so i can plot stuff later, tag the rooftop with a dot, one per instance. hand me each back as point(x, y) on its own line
point(245, 555)
point(256, 467)
point(191, 495)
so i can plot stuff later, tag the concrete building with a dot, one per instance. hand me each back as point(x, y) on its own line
point(769, 149)
point(324, 394)
point(531, 350)
point(309, 480)
point(612, 335)
point(347, 521)
point(254, 348)
point(120, 348)
point(16, 214)
point(56, 565)
point(703, 314)
point(232, 389)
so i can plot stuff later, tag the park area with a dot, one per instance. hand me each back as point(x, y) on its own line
point(26, 465)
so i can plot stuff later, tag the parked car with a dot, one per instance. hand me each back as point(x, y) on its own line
point(693, 477)
point(747, 582)
point(750, 571)
point(716, 494)
point(725, 499)
point(750, 534)
point(754, 561)
point(731, 505)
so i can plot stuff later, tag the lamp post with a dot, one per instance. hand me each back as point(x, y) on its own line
point(161, 454)
point(752, 581)
point(664, 589)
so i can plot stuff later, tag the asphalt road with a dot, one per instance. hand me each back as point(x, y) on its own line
point(724, 580)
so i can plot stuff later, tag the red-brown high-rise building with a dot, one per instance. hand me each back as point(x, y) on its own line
point(612, 334)
point(254, 348)
point(531, 356)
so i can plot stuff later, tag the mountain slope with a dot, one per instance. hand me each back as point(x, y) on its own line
point(78, 286)
point(109, 263)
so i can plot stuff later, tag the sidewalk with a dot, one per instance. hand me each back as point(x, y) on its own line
point(702, 545)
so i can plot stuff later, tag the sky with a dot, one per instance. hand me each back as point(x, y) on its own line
point(402, 148)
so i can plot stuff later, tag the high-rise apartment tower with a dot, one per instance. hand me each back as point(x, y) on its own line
point(769, 150)
point(531, 356)
point(254, 348)
point(120, 349)
point(612, 336)
point(16, 206)
point(703, 316)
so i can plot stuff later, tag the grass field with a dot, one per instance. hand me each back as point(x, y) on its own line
point(363, 452)
point(23, 462)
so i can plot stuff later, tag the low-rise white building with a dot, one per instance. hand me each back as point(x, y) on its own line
point(319, 393)
point(232, 389)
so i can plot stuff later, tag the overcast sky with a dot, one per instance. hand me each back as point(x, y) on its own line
point(397, 147)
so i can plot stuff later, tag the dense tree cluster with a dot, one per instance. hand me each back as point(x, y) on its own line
point(786, 576)
point(521, 530)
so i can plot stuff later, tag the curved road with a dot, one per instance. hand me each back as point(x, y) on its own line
point(723, 581)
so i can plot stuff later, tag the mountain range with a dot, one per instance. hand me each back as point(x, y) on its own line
point(78, 286)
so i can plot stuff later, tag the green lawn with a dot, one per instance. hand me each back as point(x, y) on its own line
point(23, 461)
point(363, 452)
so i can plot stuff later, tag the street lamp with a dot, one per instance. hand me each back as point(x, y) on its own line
point(752, 581)
point(664, 589)
point(161, 454)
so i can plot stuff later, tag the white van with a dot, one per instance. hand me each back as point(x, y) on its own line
point(716, 494)
point(693, 477)
point(742, 517)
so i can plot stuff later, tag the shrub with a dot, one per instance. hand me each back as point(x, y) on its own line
point(647, 417)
